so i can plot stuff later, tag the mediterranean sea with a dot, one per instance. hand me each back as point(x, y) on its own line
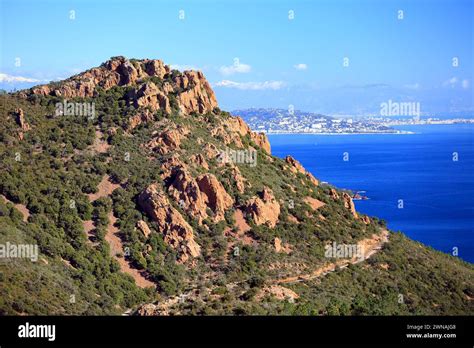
point(421, 184)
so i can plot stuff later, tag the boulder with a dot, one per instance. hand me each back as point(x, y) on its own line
point(264, 209)
point(279, 247)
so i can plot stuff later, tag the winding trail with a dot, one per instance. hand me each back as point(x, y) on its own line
point(21, 207)
point(369, 246)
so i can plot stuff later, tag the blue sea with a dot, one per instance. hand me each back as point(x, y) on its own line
point(437, 191)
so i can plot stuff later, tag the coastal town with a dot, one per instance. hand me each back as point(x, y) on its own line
point(281, 121)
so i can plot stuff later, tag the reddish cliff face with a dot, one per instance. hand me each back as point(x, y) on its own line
point(192, 91)
point(177, 232)
point(296, 167)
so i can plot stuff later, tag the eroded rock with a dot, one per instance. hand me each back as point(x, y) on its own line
point(175, 229)
point(349, 204)
point(264, 209)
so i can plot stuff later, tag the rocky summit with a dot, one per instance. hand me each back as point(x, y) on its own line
point(159, 203)
point(153, 85)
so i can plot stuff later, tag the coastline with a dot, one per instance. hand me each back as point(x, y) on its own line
point(388, 169)
point(354, 133)
point(395, 132)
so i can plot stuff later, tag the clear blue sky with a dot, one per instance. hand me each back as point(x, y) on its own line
point(281, 61)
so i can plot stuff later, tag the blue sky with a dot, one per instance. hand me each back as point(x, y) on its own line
point(254, 53)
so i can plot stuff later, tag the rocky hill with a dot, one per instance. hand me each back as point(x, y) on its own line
point(144, 197)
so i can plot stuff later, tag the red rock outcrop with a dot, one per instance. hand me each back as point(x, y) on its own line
point(239, 181)
point(150, 95)
point(279, 292)
point(200, 161)
point(216, 196)
point(210, 151)
point(366, 220)
point(186, 191)
point(20, 120)
point(144, 116)
point(349, 204)
point(169, 164)
point(176, 231)
point(238, 125)
point(193, 92)
point(311, 178)
point(226, 136)
point(156, 68)
point(279, 248)
point(143, 227)
point(296, 167)
point(264, 209)
point(198, 95)
point(195, 196)
point(314, 203)
point(167, 141)
point(261, 140)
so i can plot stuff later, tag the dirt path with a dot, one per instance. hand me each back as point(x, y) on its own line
point(22, 208)
point(105, 188)
point(240, 222)
point(369, 247)
point(116, 248)
point(89, 227)
point(100, 144)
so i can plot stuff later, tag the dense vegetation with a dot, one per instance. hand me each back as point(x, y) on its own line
point(53, 169)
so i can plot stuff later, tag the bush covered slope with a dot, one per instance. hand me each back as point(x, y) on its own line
point(150, 191)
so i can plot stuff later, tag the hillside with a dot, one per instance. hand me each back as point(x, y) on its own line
point(144, 197)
